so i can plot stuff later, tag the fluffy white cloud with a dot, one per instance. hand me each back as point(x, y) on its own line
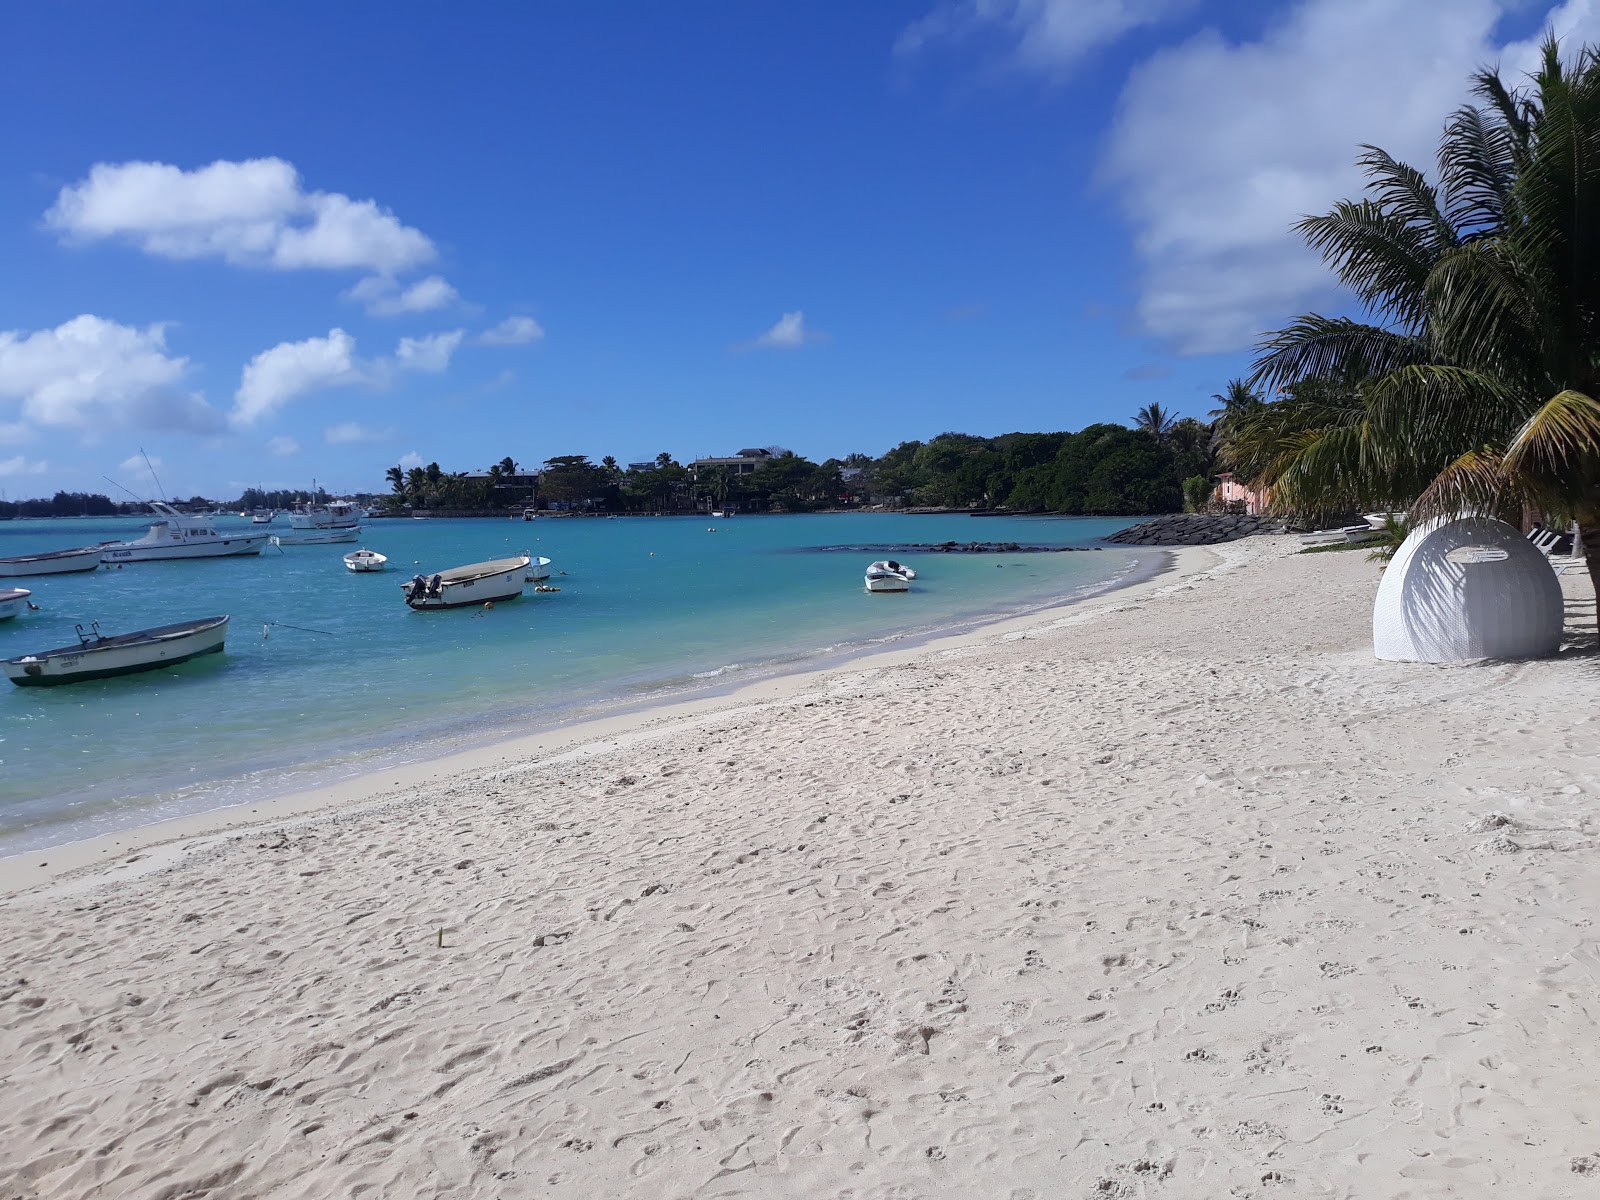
point(1218, 147)
point(431, 353)
point(349, 433)
point(384, 297)
point(410, 459)
point(513, 331)
point(1047, 35)
point(789, 333)
point(89, 374)
point(21, 466)
point(253, 213)
point(274, 377)
point(283, 447)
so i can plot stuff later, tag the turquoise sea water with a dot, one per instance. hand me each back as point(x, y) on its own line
point(648, 607)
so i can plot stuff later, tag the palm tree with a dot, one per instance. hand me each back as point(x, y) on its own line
point(396, 479)
point(1473, 385)
point(1155, 420)
point(508, 465)
point(1234, 403)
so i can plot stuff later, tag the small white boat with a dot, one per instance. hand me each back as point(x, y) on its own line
point(174, 535)
point(12, 602)
point(263, 517)
point(99, 657)
point(56, 562)
point(886, 575)
point(538, 568)
point(317, 537)
point(475, 583)
point(362, 561)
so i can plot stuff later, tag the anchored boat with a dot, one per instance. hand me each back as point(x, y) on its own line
point(336, 514)
point(55, 562)
point(12, 602)
point(886, 575)
point(538, 569)
point(99, 657)
point(316, 537)
point(174, 535)
point(362, 561)
point(476, 583)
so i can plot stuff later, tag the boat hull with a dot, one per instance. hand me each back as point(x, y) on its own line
point(13, 602)
point(487, 587)
point(91, 661)
point(317, 538)
point(538, 569)
point(366, 565)
point(61, 562)
point(227, 547)
point(888, 583)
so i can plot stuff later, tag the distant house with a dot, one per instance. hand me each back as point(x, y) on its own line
point(1235, 496)
point(743, 463)
point(652, 465)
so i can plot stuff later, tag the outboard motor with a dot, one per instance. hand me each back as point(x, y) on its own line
point(434, 586)
point(419, 588)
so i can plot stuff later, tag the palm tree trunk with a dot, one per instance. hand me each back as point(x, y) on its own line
point(1589, 535)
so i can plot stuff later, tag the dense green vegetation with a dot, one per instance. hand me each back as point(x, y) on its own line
point(1474, 383)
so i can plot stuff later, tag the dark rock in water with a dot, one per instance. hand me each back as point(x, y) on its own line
point(1189, 529)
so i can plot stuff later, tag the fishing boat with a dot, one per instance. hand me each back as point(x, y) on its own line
point(316, 537)
point(363, 561)
point(55, 562)
point(336, 514)
point(12, 602)
point(174, 535)
point(886, 575)
point(97, 656)
point(538, 568)
point(475, 583)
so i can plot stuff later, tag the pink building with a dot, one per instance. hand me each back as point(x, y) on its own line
point(1235, 496)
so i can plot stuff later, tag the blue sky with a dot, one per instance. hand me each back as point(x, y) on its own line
point(272, 242)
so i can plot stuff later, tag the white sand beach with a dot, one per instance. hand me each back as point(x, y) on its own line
point(1177, 894)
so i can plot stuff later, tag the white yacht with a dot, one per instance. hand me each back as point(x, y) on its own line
point(174, 535)
point(336, 514)
point(886, 575)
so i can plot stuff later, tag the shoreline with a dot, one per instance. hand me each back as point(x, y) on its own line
point(160, 842)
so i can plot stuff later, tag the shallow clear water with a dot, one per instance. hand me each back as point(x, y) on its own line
point(647, 606)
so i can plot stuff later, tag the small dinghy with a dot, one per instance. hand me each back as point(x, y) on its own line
point(97, 656)
point(538, 568)
point(886, 575)
point(475, 583)
point(12, 602)
point(56, 562)
point(362, 561)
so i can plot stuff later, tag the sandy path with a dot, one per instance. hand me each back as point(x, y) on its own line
point(1188, 897)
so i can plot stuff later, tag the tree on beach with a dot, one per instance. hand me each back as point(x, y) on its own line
point(1473, 383)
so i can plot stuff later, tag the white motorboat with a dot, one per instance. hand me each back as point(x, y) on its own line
point(475, 583)
point(12, 602)
point(174, 535)
point(336, 514)
point(97, 656)
point(55, 562)
point(362, 561)
point(886, 575)
point(263, 516)
point(538, 568)
point(316, 537)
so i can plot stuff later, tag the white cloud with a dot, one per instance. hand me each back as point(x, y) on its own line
point(348, 433)
point(513, 331)
point(789, 333)
point(283, 447)
point(1218, 147)
point(384, 297)
point(410, 459)
point(15, 433)
point(89, 374)
point(431, 353)
point(253, 213)
point(1048, 35)
point(274, 377)
point(21, 466)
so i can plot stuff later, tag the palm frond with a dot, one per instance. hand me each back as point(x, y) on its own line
point(1376, 254)
point(1405, 194)
point(1332, 348)
point(1558, 439)
point(1474, 482)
